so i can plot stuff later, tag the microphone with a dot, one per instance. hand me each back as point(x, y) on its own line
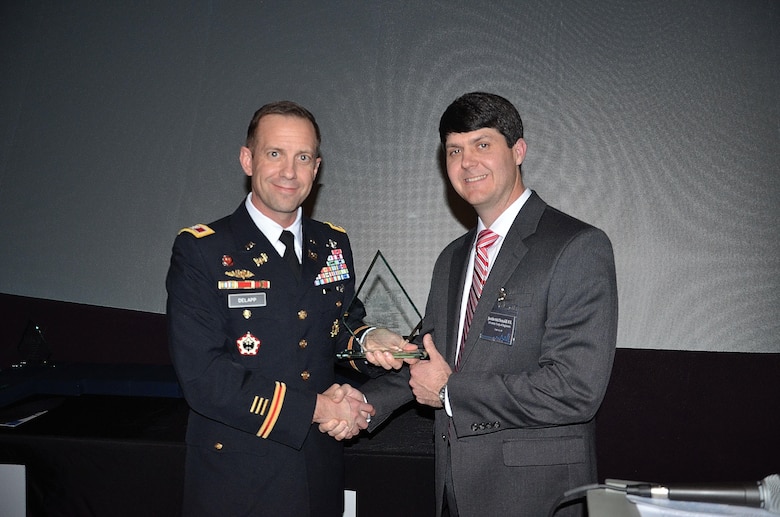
point(757, 494)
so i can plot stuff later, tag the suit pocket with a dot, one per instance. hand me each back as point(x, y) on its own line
point(530, 452)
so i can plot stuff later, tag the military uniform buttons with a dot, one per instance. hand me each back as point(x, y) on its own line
point(338, 303)
point(303, 343)
point(218, 446)
point(302, 315)
point(305, 375)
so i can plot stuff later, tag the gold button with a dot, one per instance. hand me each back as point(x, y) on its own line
point(338, 303)
point(218, 446)
point(302, 315)
point(302, 343)
point(305, 375)
point(247, 314)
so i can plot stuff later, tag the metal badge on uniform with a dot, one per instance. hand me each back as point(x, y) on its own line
point(262, 259)
point(335, 270)
point(244, 300)
point(248, 344)
point(227, 260)
point(243, 274)
point(500, 327)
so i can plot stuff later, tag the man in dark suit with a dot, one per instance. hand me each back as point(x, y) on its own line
point(535, 295)
point(254, 326)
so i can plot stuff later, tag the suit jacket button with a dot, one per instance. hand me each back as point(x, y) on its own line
point(218, 446)
point(302, 343)
point(474, 427)
point(302, 315)
point(305, 375)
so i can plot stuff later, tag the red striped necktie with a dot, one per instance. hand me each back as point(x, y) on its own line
point(485, 240)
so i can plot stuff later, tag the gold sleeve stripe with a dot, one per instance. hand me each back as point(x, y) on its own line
point(276, 408)
point(351, 344)
point(259, 405)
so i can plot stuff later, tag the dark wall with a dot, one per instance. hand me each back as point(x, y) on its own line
point(120, 123)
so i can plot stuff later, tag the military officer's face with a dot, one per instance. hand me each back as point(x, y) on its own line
point(282, 165)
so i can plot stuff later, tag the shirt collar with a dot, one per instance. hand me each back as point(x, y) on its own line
point(504, 222)
point(271, 229)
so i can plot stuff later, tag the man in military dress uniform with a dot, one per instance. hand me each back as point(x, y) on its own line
point(254, 326)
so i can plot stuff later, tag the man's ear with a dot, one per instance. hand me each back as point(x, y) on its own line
point(519, 150)
point(245, 157)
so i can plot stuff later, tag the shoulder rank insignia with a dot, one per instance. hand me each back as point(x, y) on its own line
point(337, 228)
point(199, 230)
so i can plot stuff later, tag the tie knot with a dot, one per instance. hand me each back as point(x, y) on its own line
point(287, 239)
point(486, 238)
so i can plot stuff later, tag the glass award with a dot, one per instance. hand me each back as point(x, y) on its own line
point(381, 301)
point(33, 348)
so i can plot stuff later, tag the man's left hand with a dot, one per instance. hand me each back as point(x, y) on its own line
point(429, 376)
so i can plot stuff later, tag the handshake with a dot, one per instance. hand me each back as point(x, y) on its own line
point(342, 411)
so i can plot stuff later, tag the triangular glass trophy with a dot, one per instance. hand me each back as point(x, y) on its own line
point(382, 301)
point(33, 348)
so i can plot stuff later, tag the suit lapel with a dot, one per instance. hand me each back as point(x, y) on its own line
point(509, 259)
point(458, 264)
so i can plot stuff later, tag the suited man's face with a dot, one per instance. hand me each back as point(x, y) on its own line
point(485, 171)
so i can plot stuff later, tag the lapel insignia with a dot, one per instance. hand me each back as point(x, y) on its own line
point(334, 330)
point(335, 270)
point(227, 260)
point(332, 244)
point(249, 245)
point(262, 259)
point(312, 255)
point(243, 274)
point(248, 344)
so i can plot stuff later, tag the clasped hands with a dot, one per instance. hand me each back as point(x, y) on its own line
point(342, 412)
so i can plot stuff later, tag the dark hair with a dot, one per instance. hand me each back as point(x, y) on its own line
point(287, 108)
point(477, 110)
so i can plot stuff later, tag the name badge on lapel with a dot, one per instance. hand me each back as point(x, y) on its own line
point(242, 300)
point(500, 327)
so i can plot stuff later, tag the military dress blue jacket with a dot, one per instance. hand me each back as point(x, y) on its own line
point(252, 346)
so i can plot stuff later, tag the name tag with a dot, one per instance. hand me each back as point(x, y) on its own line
point(500, 327)
point(239, 301)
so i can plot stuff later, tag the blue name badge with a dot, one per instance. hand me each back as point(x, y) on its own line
point(500, 327)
